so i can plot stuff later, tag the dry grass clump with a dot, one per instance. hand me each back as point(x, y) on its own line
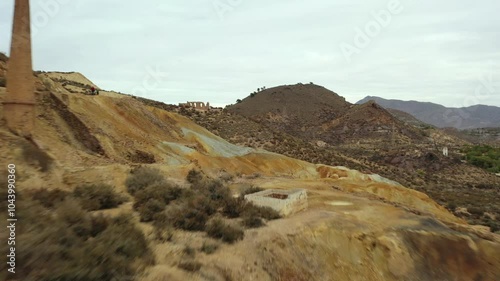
point(141, 178)
point(218, 229)
point(63, 241)
point(98, 197)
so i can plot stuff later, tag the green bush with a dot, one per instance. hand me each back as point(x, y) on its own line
point(141, 178)
point(218, 229)
point(483, 156)
point(98, 197)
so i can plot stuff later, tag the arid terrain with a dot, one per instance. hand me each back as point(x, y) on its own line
point(390, 143)
point(358, 226)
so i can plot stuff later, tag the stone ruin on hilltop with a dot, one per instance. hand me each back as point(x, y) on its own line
point(196, 105)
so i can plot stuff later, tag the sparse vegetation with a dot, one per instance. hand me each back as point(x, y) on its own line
point(154, 198)
point(66, 242)
point(194, 176)
point(218, 229)
point(142, 177)
point(98, 197)
point(191, 215)
point(191, 266)
point(168, 206)
point(48, 198)
point(209, 248)
point(252, 220)
point(3, 82)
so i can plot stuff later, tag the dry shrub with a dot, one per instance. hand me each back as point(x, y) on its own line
point(238, 207)
point(209, 248)
point(252, 221)
point(48, 198)
point(234, 207)
point(194, 176)
point(267, 213)
point(142, 177)
point(154, 198)
point(191, 215)
point(191, 266)
point(148, 211)
point(98, 197)
point(218, 229)
point(71, 244)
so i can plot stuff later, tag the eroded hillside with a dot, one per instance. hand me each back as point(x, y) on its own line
point(357, 227)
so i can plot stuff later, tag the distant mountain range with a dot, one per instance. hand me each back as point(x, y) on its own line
point(477, 116)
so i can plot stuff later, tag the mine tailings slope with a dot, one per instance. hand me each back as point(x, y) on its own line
point(357, 226)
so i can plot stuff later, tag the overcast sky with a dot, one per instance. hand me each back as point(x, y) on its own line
point(444, 51)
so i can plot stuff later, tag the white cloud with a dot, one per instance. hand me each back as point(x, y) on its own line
point(430, 51)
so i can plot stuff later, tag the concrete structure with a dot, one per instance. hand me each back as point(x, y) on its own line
point(286, 202)
point(197, 105)
point(19, 103)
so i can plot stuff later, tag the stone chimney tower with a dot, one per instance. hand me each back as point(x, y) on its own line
point(19, 103)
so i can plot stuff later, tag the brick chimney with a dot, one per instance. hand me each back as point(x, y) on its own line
point(19, 103)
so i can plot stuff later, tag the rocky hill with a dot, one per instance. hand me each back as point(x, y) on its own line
point(298, 109)
point(477, 116)
point(408, 118)
point(314, 113)
point(369, 121)
point(357, 226)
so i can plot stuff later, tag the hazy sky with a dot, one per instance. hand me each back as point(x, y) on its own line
point(444, 51)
